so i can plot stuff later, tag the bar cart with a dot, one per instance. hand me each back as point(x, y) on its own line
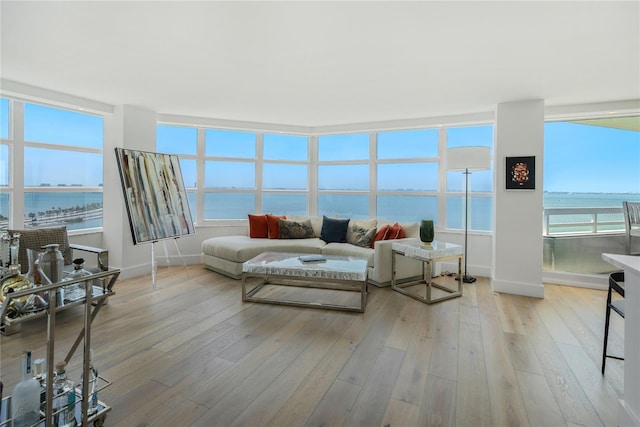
point(97, 288)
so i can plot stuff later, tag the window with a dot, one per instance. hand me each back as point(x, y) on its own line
point(408, 144)
point(182, 141)
point(285, 174)
point(343, 147)
point(4, 118)
point(229, 165)
point(343, 175)
point(480, 182)
point(4, 163)
point(224, 143)
point(390, 175)
point(62, 170)
point(590, 165)
point(407, 175)
point(285, 147)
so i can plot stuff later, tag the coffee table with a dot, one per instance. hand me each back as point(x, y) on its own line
point(427, 254)
point(340, 273)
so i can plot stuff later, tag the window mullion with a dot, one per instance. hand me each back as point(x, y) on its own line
point(17, 167)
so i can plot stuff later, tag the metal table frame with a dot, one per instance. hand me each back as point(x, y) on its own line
point(427, 268)
point(296, 278)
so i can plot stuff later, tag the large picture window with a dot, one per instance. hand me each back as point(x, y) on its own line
point(407, 175)
point(229, 174)
point(388, 175)
point(590, 165)
point(62, 170)
point(344, 175)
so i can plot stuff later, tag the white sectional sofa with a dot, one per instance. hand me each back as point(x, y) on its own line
point(225, 254)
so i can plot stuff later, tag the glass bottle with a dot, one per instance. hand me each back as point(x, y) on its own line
point(64, 398)
point(14, 247)
point(76, 291)
point(92, 405)
point(41, 376)
point(25, 398)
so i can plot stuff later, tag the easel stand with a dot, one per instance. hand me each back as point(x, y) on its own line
point(154, 262)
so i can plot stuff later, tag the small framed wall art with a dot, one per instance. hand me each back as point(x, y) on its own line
point(521, 173)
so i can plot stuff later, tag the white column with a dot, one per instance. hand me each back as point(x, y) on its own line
point(517, 241)
point(135, 128)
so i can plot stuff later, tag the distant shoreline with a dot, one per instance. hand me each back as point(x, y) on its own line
point(53, 220)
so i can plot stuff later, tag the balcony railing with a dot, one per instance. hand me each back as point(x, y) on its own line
point(582, 221)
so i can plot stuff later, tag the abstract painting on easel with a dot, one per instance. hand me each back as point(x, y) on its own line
point(155, 195)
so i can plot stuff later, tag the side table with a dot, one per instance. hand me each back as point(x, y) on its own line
point(437, 251)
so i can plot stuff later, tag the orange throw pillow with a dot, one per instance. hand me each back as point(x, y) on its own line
point(258, 226)
point(396, 232)
point(272, 225)
point(381, 234)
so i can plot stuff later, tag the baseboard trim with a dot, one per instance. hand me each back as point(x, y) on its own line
point(524, 289)
point(591, 281)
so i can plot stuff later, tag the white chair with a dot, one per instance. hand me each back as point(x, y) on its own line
point(631, 212)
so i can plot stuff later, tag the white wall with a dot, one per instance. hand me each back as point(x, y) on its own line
point(517, 244)
point(135, 128)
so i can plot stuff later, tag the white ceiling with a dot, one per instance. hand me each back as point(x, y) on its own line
point(324, 63)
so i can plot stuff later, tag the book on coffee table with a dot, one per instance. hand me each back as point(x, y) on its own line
point(312, 258)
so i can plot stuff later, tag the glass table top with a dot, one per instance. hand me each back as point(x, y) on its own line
point(437, 249)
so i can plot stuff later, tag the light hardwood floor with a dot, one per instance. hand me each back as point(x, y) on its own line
point(192, 353)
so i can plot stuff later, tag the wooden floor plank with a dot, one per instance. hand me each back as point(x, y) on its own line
point(439, 405)
point(400, 414)
point(473, 403)
point(370, 405)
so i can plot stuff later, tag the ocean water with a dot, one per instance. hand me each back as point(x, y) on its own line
point(403, 208)
point(588, 200)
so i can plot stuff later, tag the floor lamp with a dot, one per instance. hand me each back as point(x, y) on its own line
point(467, 159)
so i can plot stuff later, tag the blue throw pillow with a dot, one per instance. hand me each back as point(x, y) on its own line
point(334, 230)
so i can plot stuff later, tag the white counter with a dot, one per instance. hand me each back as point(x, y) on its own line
point(629, 411)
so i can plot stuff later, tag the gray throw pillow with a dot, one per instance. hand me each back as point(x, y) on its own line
point(289, 229)
point(361, 236)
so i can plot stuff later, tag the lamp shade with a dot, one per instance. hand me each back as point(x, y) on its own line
point(471, 158)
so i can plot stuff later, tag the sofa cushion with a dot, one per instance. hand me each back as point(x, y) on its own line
point(381, 234)
point(258, 226)
point(243, 248)
point(363, 223)
point(347, 249)
point(290, 229)
point(360, 236)
point(334, 230)
point(411, 229)
point(272, 224)
point(316, 223)
point(396, 232)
